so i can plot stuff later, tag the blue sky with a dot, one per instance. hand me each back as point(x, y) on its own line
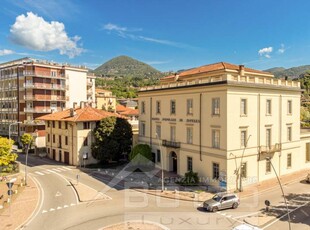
point(167, 34)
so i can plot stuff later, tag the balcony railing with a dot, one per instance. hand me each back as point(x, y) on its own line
point(44, 98)
point(172, 144)
point(43, 74)
point(43, 86)
point(270, 149)
point(38, 110)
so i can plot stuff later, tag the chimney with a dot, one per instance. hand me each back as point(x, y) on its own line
point(82, 104)
point(71, 112)
point(74, 105)
point(241, 70)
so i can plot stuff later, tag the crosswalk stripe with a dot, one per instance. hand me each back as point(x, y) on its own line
point(39, 173)
point(59, 208)
point(52, 209)
point(66, 206)
point(44, 211)
point(47, 172)
point(51, 171)
point(72, 204)
point(61, 169)
point(67, 168)
point(56, 170)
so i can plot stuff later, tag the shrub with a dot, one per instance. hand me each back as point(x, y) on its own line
point(190, 178)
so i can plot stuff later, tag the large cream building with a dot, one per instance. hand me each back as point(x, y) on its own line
point(222, 121)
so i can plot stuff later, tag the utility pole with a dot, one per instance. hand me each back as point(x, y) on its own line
point(285, 201)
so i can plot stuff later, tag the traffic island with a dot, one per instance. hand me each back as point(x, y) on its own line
point(87, 194)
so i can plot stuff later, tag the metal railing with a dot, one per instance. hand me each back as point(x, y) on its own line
point(270, 149)
point(172, 144)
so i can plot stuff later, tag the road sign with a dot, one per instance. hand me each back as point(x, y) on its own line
point(10, 185)
point(10, 192)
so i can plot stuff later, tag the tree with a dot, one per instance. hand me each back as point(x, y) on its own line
point(6, 155)
point(141, 154)
point(113, 137)
point(27, 140)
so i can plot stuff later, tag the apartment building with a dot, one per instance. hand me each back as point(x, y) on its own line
point(31, 88)
point(69, 134)
point(225, 121)
point(105, 100)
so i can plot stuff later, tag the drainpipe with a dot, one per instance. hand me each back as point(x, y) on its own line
point(72, 144)
point(200, 112)
point(280, 134)
point(258, 135)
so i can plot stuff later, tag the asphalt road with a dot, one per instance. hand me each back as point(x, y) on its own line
point(59, 208)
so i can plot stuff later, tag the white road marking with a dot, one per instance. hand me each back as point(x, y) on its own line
point(47, 172)
point(52, 209)
point(66, 206)
point(58, 193)
point(304, 212)
point(44, 211)
point(61, 169)
point(59, 208)
point(39, 173)
point(67, 168)
point(51, 171)
point(249, 214)
point(56, 170)
point(72, 204)
point(277, 219)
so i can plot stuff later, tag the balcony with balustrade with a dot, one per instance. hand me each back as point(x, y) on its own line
point(44, 98)
point(172, 144)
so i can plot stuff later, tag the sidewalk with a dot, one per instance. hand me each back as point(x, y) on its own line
point(22, 207)
point(271, 184)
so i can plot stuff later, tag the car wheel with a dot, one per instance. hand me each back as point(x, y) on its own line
point(215, 209)
point(235, 205)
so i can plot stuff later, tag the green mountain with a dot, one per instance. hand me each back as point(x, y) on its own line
point(124, 66)
point(293, 72)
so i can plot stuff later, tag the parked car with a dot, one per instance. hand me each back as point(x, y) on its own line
point(221, 201)
point(308, 178)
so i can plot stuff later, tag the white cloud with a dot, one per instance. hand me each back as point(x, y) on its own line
point(111, 26)
point(265, 52)
point(282, 49)
point(6, 52)
point(35, 33)
point(125, 32)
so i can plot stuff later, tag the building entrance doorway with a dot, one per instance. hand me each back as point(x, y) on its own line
point(174, 162)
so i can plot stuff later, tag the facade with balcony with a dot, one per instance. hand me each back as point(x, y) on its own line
point(30, 88)
point(224, 121)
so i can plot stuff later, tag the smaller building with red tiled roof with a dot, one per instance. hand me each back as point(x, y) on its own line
point(69, 134)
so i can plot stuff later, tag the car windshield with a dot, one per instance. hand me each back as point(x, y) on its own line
point(217, 198)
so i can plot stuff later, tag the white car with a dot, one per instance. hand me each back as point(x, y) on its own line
point(246, 227)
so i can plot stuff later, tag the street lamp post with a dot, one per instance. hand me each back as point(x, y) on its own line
point(162, 163)
point(15, 123)
point(288, 213)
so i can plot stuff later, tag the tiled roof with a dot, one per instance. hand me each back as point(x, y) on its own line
point(214, 67)
point(102, 90)
point(81, 114)
point(128, 112)
point(41, 133)
point(120, 108)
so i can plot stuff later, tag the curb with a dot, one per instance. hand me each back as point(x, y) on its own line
point(76, 192)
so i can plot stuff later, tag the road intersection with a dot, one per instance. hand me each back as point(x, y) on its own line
point(60, 208)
